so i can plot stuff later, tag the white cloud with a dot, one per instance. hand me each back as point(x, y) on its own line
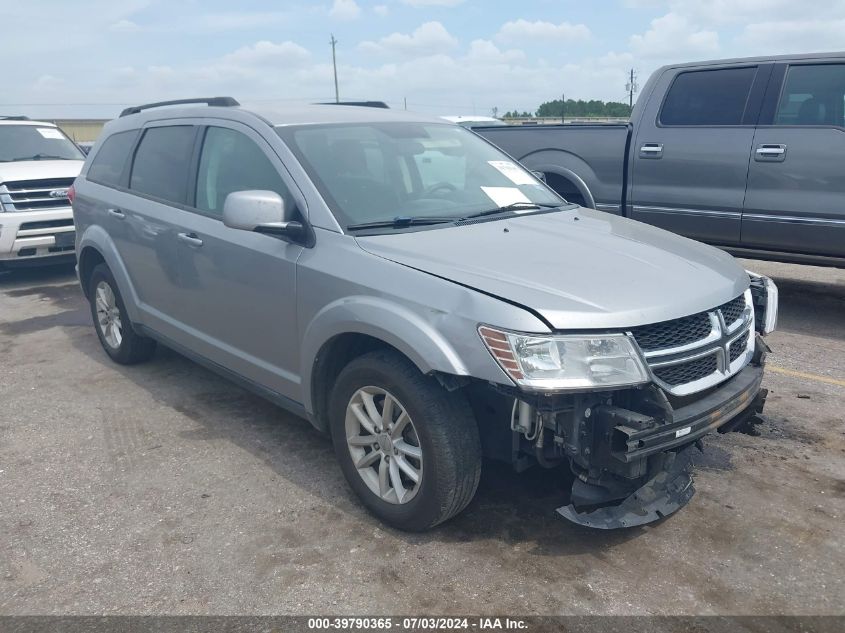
point(674, 37)
point(486, 52)
point(432, 3)
point(344, 10)
point(524, 30)
point(266, 53)
point(793, 36)
point(381, 9)
point(124, 26)
point(430, 38)
point(235, 20)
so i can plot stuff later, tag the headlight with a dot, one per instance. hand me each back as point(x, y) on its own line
point(566, 362)
point(764, 293)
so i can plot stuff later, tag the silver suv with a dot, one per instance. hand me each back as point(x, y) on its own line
point(423, 299)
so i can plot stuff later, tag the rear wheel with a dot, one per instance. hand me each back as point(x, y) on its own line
point(408, 448)
point(121, 342)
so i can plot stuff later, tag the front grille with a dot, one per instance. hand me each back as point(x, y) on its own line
point(47, 224)
point(732, 310)
point(32, 195)
point(687, 372)
point(673, 333)
point(738, 346)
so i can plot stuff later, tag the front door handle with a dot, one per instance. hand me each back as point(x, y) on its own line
point(190, 239)
point(770, 153)
point(117, 213)
point(651, 150)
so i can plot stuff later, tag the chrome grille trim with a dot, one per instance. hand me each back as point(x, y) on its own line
point(717, 343)
point(35, 195)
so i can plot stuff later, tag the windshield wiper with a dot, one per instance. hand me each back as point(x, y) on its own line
point(400, 222)
point(41, 157)
point(513, 206)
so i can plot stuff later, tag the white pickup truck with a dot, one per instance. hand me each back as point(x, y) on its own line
point(37, 165)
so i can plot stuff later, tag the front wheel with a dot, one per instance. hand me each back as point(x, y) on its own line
point(408, 448)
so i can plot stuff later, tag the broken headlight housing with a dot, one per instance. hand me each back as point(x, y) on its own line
point(561, 362)
point(764, 294)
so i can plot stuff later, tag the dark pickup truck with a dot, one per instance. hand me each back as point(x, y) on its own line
point(744, 154)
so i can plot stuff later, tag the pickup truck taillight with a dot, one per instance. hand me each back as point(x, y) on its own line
point(71, 194)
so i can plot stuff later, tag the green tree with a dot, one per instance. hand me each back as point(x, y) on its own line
point(581, 108)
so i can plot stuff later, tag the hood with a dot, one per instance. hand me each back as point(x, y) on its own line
point(579, 269)
point(39, 169)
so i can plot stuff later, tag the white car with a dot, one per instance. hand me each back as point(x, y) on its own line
point(37, 165)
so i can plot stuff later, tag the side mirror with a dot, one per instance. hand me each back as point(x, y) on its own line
point(261, 212)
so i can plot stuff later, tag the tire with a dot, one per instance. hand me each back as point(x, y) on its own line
point(127, 347)
point(441, 427)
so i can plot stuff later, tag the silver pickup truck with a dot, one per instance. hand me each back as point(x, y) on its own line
point(744, 154)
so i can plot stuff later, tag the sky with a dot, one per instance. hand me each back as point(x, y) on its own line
point(90, 58)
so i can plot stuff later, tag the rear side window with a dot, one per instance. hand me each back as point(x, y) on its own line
point(231, 161)
point(162, 162)
point(813, 95)
point(708, 97)
point(107, 166)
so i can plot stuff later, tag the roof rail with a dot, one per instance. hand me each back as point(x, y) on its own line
point(16, 117)
point(365, 104)
point(225, 102)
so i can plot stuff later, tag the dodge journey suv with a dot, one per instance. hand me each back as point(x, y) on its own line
point(422, 299)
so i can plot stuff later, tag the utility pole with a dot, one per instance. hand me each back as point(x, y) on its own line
point(405, 100)
point(562, 107)
point(631, 87)
point(333, 42)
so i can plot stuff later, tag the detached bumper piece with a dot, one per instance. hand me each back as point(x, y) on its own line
point(663, 494)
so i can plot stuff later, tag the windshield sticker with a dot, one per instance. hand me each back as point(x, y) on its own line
point(49, 132)
point(512, 172)
point(503, 196)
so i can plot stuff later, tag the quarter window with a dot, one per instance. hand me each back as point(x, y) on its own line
point(161, 163)
point(708, 97)
point(230, 162)
point(110, 161)
point(813, 95)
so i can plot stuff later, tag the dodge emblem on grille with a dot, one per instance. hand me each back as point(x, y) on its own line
point(58, 193)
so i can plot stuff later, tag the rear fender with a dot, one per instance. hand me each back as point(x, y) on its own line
point(97, 238)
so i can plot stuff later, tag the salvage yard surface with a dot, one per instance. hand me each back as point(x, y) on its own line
point(163, 489)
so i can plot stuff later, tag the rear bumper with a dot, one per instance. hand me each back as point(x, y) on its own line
point(36, 235)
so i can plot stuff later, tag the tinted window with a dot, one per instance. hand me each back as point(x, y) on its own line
point(709, 97)
point(107, 166)
point(813, 95)
point(230, 162)
point(161, 163)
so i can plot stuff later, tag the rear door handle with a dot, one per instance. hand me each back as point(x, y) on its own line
point(190, 239)
point(774, 152)
point(117, 213)
point(651, 150)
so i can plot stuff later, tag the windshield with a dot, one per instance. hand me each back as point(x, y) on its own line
point(381, 171)
point(33, 142)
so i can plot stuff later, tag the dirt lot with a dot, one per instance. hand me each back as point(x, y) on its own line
point(164, 489)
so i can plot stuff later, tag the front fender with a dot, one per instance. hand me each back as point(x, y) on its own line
point(411, 334)
point(97, 238)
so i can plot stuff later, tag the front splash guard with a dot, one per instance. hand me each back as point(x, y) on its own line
point(668, 491)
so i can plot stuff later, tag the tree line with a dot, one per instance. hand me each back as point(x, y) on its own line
point(573, 108)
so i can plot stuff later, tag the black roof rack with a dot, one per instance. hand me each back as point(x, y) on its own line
point(365, 104)
point(17, 117)
point(225, 102)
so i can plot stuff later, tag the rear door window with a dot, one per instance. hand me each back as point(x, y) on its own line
point(110, 161)
point(813, 94)
point(162, 163)
point(708, 97)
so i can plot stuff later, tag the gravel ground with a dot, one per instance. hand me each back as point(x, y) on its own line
point(163, 489)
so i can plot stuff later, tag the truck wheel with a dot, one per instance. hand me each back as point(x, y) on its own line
point(118, 338)
point(408, 448)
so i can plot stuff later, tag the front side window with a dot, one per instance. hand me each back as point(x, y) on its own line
point(813, 95)
point(373, 172)
point(231, 161)
point(708, 97)
point(35, 142)
point(161, 163)
point(107, 166)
